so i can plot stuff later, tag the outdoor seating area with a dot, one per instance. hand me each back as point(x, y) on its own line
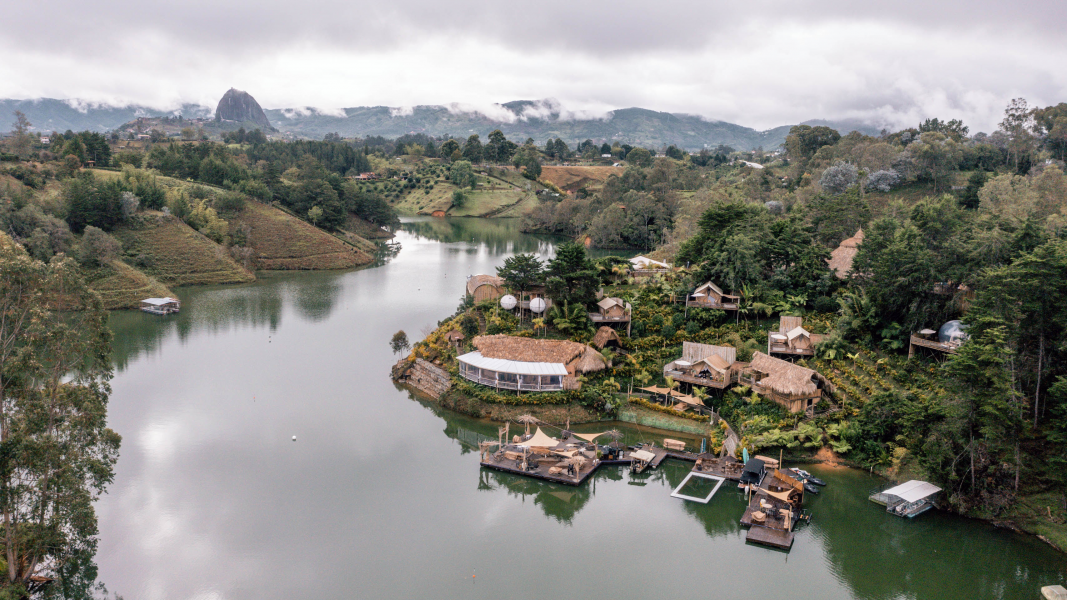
point(947, 339)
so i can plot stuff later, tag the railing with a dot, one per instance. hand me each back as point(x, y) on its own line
point(695, 380)
point(599, 318)
point(507, 385)
point(925, 343)
point(710, 304)
point(784, 349)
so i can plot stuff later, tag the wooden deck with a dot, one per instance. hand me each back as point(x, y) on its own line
point(701, 381)
point(783, 349)
point(712, 305)
point(599, 318)
point(540, 471)
point(930, 344)
point(766, 536)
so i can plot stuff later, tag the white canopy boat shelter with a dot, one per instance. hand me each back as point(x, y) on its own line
point(909, 499)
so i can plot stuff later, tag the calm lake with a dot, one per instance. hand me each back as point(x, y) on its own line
point(381, 495)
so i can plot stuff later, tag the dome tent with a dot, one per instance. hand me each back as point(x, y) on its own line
point(952, 332)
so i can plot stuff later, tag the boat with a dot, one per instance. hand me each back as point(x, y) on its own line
point(811, 489)
point(809, 477)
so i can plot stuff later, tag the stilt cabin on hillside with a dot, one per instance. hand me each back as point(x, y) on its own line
point(484, 288)
point(529, 365)
point(611, 310)
point(792, 339)
point(710, 295)
point(704, 365)
point(797, 388)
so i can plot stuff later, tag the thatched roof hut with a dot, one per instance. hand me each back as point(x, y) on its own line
point(591, 361)
point(841, 258)
point(795, 387)
point(606, 335)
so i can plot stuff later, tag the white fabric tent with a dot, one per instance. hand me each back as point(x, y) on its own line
point(540, 440)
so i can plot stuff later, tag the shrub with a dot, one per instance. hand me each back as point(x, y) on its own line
point(825, 304)
point(97, 247)
point(230, 202)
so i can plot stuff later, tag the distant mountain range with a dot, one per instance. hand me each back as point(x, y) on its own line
point(540, 120)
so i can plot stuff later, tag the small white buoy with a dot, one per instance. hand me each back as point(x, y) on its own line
point(294, 438)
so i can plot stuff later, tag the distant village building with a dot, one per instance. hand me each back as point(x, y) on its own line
point(643, 266)
point(525, 364)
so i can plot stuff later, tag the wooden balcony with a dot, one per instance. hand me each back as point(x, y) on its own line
point(922, 342)
point(784, 349)
point(718, 384)
point(599, 318)
point(706, 303)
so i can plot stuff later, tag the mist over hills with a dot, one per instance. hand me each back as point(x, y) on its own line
point(540, 120)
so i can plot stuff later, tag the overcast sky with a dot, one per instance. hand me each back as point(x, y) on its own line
point(760, 63)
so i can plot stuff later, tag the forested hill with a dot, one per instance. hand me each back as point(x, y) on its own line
point(49, 114)
point(634, 126)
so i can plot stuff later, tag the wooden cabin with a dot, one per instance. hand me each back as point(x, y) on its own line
point(484, 288)
point(606, 336)
point(792, 339)
point(797, 388)
point(841, 258)
point(533, 293)
point(704, 365)
point(611, 310)
point(643, 266)
point(161, 306)
point(526, 364)
point(710, 295)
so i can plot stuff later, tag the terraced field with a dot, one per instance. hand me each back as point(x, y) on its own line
point(122, 286)
point(282, 242)
point(169, 250)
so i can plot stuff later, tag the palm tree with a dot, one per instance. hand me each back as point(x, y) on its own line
point(527, 420)
point(538, 323)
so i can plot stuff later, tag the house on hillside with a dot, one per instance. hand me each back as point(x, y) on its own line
point(705, 365)
point(710, 295)
point(796, 388)
point(529, 365)
point(484, 288)
point(792, 339)
point(841, 258)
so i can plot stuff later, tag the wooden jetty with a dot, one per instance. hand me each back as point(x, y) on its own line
point(774, 510)
point(540, 471)
point(767, 536)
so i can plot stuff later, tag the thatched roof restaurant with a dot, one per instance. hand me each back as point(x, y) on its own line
point(526, 364)
point(841, 258)
point(797, 388)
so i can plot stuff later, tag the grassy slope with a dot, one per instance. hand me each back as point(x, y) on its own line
point(283, 242)
point(572, 178)
point(122, 286)
point(177, 254)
